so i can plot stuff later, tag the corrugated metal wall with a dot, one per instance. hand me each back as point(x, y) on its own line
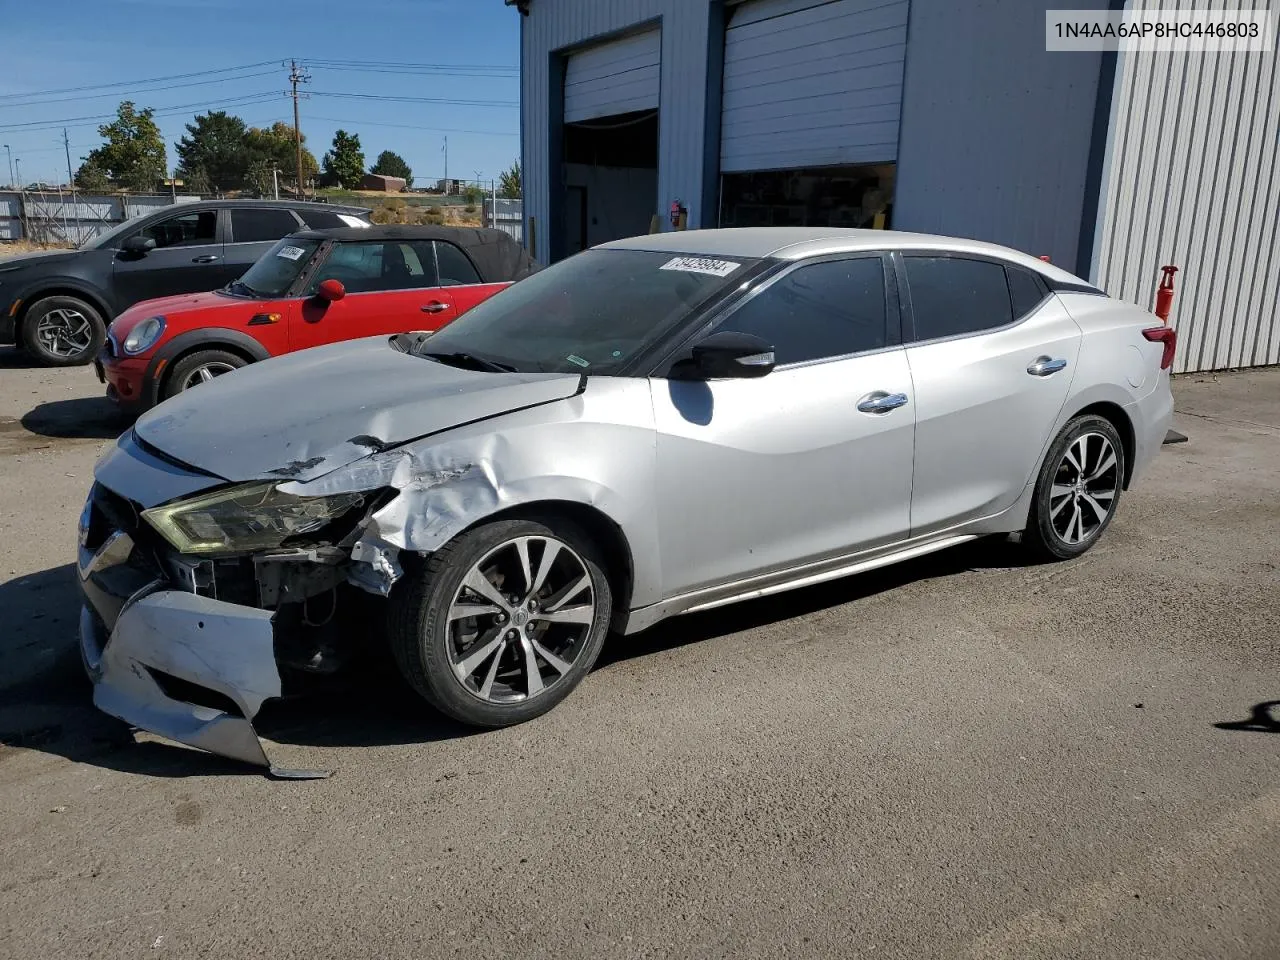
point(812, 83)
point(1192, 181)
point(555, 25)
point(996, 131)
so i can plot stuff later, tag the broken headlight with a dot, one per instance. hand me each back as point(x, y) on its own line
point(256, 516)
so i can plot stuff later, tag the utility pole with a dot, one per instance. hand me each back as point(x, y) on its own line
point(18, 165)
point(66, 145)
point(10, 153)
point(446, 166)
point(275, 181)
point(296, 77)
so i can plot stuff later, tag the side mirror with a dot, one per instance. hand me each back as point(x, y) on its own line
point(732, 355)
point(331, 290)
point(138, 244)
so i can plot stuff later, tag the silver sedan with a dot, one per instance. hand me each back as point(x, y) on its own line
point(652, 427)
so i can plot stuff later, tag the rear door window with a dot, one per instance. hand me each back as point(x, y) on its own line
point(953, 296)
point(254, 225)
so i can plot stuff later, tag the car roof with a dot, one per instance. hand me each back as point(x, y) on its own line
point(796, 243)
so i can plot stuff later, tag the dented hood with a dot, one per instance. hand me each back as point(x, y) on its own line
point(302, 415)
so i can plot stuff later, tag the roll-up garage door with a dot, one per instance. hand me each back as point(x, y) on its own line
point(616, 77)
point(810, 83)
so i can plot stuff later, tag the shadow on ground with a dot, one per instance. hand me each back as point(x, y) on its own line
point(1263, 718)
point(12, 358)
point(49, 700)
point(85, 418)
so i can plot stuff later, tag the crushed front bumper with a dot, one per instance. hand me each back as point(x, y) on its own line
point(185, 666)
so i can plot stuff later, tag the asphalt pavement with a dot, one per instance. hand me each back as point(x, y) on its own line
point(963, 756)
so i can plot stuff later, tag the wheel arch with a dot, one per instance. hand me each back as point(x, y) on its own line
point(604, 532)
point(174, 351)
point(60, 288)
point(1115, 414)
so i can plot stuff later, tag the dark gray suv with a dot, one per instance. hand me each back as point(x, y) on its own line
point(57, 305)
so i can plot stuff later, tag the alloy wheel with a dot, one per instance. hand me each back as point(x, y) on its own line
point(1084, 489)
point(65, 332)
point(520, 619)
point(206, 372)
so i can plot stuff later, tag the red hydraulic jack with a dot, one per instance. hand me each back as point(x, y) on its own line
point(1164, 303)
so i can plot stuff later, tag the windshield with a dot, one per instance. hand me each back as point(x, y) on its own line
point(591, 313)
point(275, 271)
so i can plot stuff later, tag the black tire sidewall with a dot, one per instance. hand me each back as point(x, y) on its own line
point(179, 372)
point(31, 321)
point(1041, 535)
point(421, 636)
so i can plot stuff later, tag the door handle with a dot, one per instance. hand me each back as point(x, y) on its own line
point(881, 402)
point(435, 306)
point(207, 258)
point(1044, 366)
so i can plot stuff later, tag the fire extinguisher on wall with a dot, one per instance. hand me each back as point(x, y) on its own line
point(679, 215)
point(1164, 293)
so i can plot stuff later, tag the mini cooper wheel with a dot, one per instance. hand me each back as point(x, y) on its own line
point(503, 622)
point(63, 331)
point(200, 367)
point(1077, 490)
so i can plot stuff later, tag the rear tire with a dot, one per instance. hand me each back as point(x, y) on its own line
point(470, 656)
point(1077, 490)
point(199, 367)
point(63, 331)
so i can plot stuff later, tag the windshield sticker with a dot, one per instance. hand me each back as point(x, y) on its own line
point(717, 268)
point(573, 358)
point(291, 253)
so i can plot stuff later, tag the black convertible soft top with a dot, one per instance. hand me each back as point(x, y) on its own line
point(497, 255)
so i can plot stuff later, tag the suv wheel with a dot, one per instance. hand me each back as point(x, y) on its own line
point(63, 331)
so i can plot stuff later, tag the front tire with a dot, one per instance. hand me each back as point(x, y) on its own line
point(63, 331)
point(1077, 490)
point(199, 367)
point(503, 622)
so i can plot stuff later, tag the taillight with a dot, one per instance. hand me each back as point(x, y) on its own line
point(1169, 337)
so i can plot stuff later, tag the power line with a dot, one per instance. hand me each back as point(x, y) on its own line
point(246, 100)
point(396, 99)
point(170, 86)
point(410, 126)
point(131, 83)
point(406, 66)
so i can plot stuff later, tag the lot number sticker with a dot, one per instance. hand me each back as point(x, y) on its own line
point(717, 268)
point(291, 253)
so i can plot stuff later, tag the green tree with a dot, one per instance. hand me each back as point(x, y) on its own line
point(215, 146)
point(274, 146)
point(133, 155)
point(509, 183)
point(345, 162)
point(92, 178)
point(393, 165)
point(473, 194)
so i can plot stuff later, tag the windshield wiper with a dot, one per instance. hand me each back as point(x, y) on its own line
point(470, 361)
point(242, 289)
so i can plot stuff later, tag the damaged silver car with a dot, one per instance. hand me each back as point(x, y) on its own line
point(656, 426)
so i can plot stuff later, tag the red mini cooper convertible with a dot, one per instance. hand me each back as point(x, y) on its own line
point(311, 288)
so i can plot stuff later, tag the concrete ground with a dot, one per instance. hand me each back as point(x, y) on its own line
point(959, 757)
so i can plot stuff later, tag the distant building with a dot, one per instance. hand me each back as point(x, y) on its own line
point(449, 187)
point(378, 181)
point(922, 115)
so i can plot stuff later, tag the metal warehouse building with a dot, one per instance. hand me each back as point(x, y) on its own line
point(928, 115)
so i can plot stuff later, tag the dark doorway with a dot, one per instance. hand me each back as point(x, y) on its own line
point(610, 167)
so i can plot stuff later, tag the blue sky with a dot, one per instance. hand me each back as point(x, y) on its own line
point(92, 42)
